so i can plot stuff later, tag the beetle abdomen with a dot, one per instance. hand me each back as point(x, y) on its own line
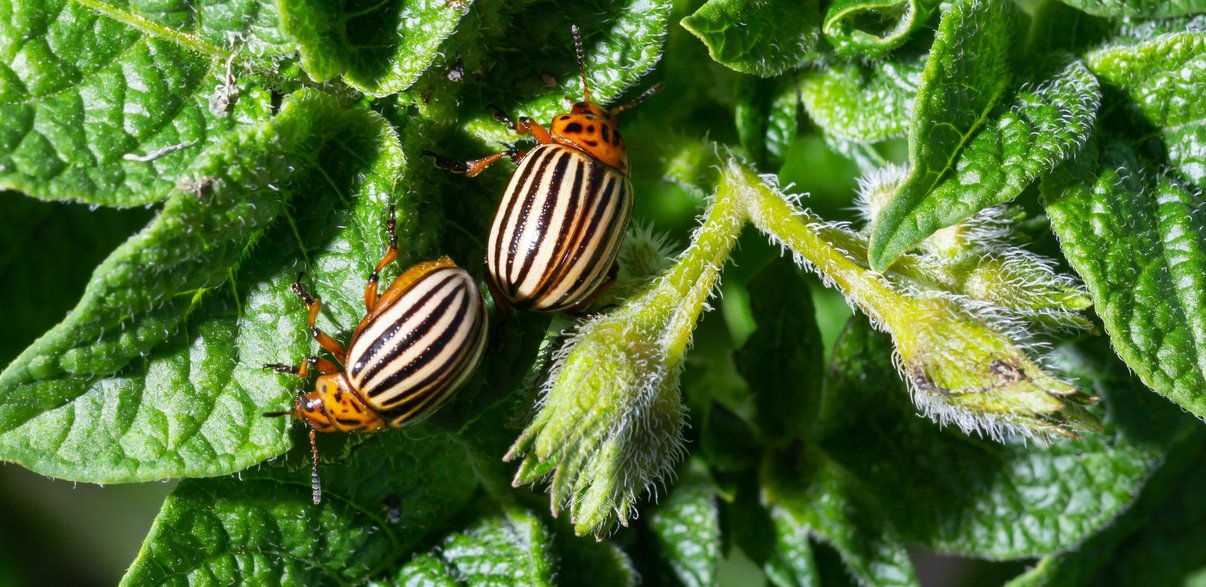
point(558, 229)
point(415, 353)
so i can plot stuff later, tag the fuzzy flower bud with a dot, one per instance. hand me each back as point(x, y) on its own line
point(964, 358)
point(975, 259)
point(611, 416)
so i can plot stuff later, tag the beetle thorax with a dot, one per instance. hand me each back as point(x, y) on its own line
point(592, 130)
point(334, 406)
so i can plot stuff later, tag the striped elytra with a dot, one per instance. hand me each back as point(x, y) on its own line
point(557, 230)
point(559, 226)
point(419, 341)
point(408, 358)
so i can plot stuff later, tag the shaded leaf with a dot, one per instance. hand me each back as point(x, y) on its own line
point(156, 373)
point(978, 498)
point(623, 41)
point(686, 527)
point(263, 528)
point(1164, 78)
point(1149, 8)
point(872, 28)
point(1138, 239)
point(380, 48)
point(512, 547)
point(105, 106)
point(782, 360)
point(866, 103)
point(758, 37)
point(1163, 511)
point(767, 118)
point(811, 495)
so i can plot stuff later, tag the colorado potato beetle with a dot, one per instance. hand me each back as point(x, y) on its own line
point(557, 231)
point(418, 342)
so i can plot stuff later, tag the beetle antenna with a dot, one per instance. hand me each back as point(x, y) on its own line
point(581, 61)
point(277, 414)
point(637, 101)
point(315, 484)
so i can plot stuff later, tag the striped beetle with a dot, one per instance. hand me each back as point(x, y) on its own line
point(418, 342)
point(558, 228)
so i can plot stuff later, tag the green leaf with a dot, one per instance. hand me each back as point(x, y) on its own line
point(686, 527)
point(1040, 127)
point(1138, 239)
point(978, 498)
point(782, 359)
point(1146, 8)
point(860, 102)
point(512, 547)
point(103, 105)
point(1164, 79)
point(380, 48)
point(263, 529)
point(767, 118)
point(156, 373)
point(965, 76)
point(793, 564)
point(811, 495)
point(757, 37)
point(872, 28)
point(1153, 542)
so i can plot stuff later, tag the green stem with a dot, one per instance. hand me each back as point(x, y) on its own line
point(676, 300)
point(831, 251)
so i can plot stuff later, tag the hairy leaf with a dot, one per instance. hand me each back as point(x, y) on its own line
point(1038, 129)
point(866, 103)
point(1164, 510)
point(263, 528)
point(686, 526)
point(380, 48)
point(966, 75)
point(1164, 79)
point(156, 373)
point(758, 37)
point(1138, 239)
point(767, 118)
point(623, 41)
point(104, 105)
point(872, 28)
point(512, 547)
point(812, 495)
point(1148, 8)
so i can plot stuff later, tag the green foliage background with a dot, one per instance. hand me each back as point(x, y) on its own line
point(171, 166)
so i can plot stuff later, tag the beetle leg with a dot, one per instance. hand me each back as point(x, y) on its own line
point(323, 366)
point(528, 126)
point(371, 289)
point(315, 484)
point(476, 166)
point(313, 304)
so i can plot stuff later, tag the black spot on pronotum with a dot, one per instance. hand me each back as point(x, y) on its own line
point(590, 128)
point(573, 128)
point(591, 143)
point(615, 138)
point(563, 117)
point(606, 133)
